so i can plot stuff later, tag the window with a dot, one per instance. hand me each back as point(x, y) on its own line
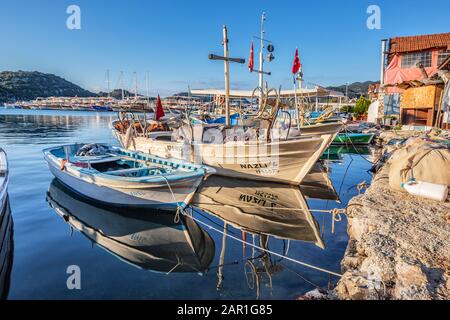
point(442, 56)
point(410, 60)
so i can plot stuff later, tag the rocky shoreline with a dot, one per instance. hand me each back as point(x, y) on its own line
point(399, 246)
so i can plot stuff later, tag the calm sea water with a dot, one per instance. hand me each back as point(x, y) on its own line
point(170, 263)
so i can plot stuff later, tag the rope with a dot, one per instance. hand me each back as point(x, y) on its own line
point(180, 210)
point(354, 147)
point(343, 211)
point(265, 250)
point(361, 186)
point(336, 218)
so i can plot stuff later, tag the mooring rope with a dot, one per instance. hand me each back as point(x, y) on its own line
point(342, 211)
point(182, 211)
point(354, 147)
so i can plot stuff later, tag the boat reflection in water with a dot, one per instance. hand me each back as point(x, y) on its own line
point(148, 241)
point(6, 248)
point(261, 210)
point(336, 152)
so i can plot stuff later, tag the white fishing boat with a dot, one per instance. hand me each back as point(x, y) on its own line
point(150, 242)
point(286, 161)
point(118, 177)
point(254, 149)
point(4, 177)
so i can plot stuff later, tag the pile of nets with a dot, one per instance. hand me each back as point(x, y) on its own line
point(421, 160)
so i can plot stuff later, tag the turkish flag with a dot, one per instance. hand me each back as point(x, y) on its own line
point(250, 60)
point(159, 109)
point(297, 64)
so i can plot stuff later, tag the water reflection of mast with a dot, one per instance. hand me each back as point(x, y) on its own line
point(262, 210)
point(222, 256)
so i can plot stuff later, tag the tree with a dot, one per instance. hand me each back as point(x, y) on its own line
point(362, 106)
point(346, 109)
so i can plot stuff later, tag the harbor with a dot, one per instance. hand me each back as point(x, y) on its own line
point(53, 221)
point(276, 188)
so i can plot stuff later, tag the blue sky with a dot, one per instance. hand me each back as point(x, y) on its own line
point(171, 39)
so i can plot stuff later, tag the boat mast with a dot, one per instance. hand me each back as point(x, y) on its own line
point(135, 84)
point(226, 59)
point(107, 81)
point(261, 61)
point(227, 76)
point(121, 83)
point(147, 86)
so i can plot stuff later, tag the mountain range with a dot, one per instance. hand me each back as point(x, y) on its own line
point(29, 85)
point(355, 90)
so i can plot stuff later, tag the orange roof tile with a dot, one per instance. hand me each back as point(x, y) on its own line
point(418, 43)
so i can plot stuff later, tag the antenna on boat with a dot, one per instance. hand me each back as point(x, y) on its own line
point(226, 60)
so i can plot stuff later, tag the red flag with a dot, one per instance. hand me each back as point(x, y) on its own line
point(297, 65)
point(250, 60)
point(159, 109)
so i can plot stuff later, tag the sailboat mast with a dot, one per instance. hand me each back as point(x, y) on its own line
point(121, 83)
point(107, 81)
point(147, 86)
point(261, 61)
point(135, 85)
point(227, 76)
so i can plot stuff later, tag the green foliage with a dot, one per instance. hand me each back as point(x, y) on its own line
point(362, 106)
point(346, 109)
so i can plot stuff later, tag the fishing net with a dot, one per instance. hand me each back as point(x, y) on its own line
point(422, 161)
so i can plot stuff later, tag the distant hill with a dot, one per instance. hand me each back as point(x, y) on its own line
point(355, 90)
point(29, 85)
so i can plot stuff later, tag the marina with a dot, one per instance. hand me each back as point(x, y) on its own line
point(226, 176)
point(104, 251)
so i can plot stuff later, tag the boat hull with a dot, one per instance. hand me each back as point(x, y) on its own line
point(284, 161)
point(288, 161)
point(354, 138)
point(157, 196)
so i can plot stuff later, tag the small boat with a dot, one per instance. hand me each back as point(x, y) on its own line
point(151, 242)
point(354, 138)
point(102, 108)
point(3, 179)
point(117, 177)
